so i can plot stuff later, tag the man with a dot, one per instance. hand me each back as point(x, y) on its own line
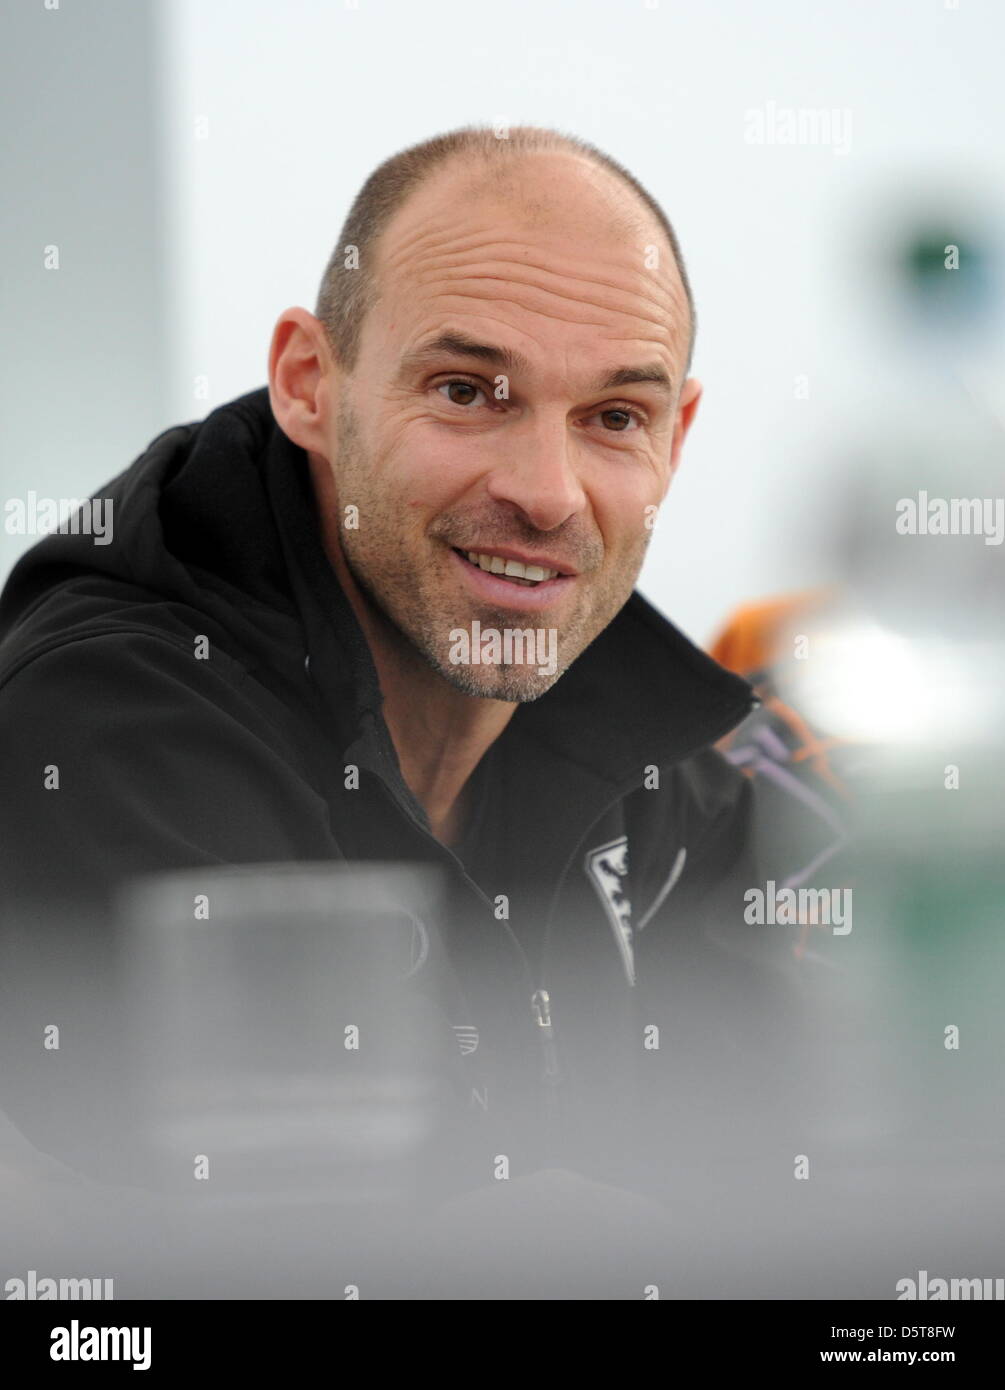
point(385, 611)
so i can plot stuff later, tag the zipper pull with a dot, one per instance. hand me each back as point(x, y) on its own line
point(540, 1003)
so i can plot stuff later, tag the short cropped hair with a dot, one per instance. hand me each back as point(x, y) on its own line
point(348, 294)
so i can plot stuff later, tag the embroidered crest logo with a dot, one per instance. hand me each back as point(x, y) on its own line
point(607, 869)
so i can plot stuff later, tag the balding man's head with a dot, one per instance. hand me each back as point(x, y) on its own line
point(493, 164)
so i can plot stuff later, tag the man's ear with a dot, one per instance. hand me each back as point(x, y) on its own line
point(300, 379)
point(687, 405)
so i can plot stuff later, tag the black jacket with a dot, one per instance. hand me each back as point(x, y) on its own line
point(201, 685)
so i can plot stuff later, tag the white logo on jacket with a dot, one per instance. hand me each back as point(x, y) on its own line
point(607, 869)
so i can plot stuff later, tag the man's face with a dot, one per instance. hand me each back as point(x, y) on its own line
point(519, 446)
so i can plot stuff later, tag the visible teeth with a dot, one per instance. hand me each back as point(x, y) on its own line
point(512, 569)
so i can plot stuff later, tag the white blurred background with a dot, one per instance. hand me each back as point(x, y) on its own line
point(194, 159)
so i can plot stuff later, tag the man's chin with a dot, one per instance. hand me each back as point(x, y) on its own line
point(512, 684)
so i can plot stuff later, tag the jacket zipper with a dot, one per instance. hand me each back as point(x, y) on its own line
point(539, 997)
point(540, 1007)
point(541, 1004)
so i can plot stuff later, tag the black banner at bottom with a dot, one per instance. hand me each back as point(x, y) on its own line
point(175, 1339)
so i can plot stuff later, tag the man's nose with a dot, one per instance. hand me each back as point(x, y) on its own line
point(537, 474)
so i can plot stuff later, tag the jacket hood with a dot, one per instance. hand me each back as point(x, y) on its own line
point(218, 516)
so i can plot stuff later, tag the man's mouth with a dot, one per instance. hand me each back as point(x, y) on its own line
point(515, 571)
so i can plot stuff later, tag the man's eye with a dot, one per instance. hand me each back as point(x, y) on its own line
point(461, 392)
point(618, 421)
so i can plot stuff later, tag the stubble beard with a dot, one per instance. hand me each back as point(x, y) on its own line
point(413, 610)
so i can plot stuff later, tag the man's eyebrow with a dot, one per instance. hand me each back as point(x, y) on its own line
point(654, 375)
point(457, 345)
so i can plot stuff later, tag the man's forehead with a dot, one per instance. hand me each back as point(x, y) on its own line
point(552, 202)
point(569, 260)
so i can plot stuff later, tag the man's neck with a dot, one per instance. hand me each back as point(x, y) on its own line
point(439, 733)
